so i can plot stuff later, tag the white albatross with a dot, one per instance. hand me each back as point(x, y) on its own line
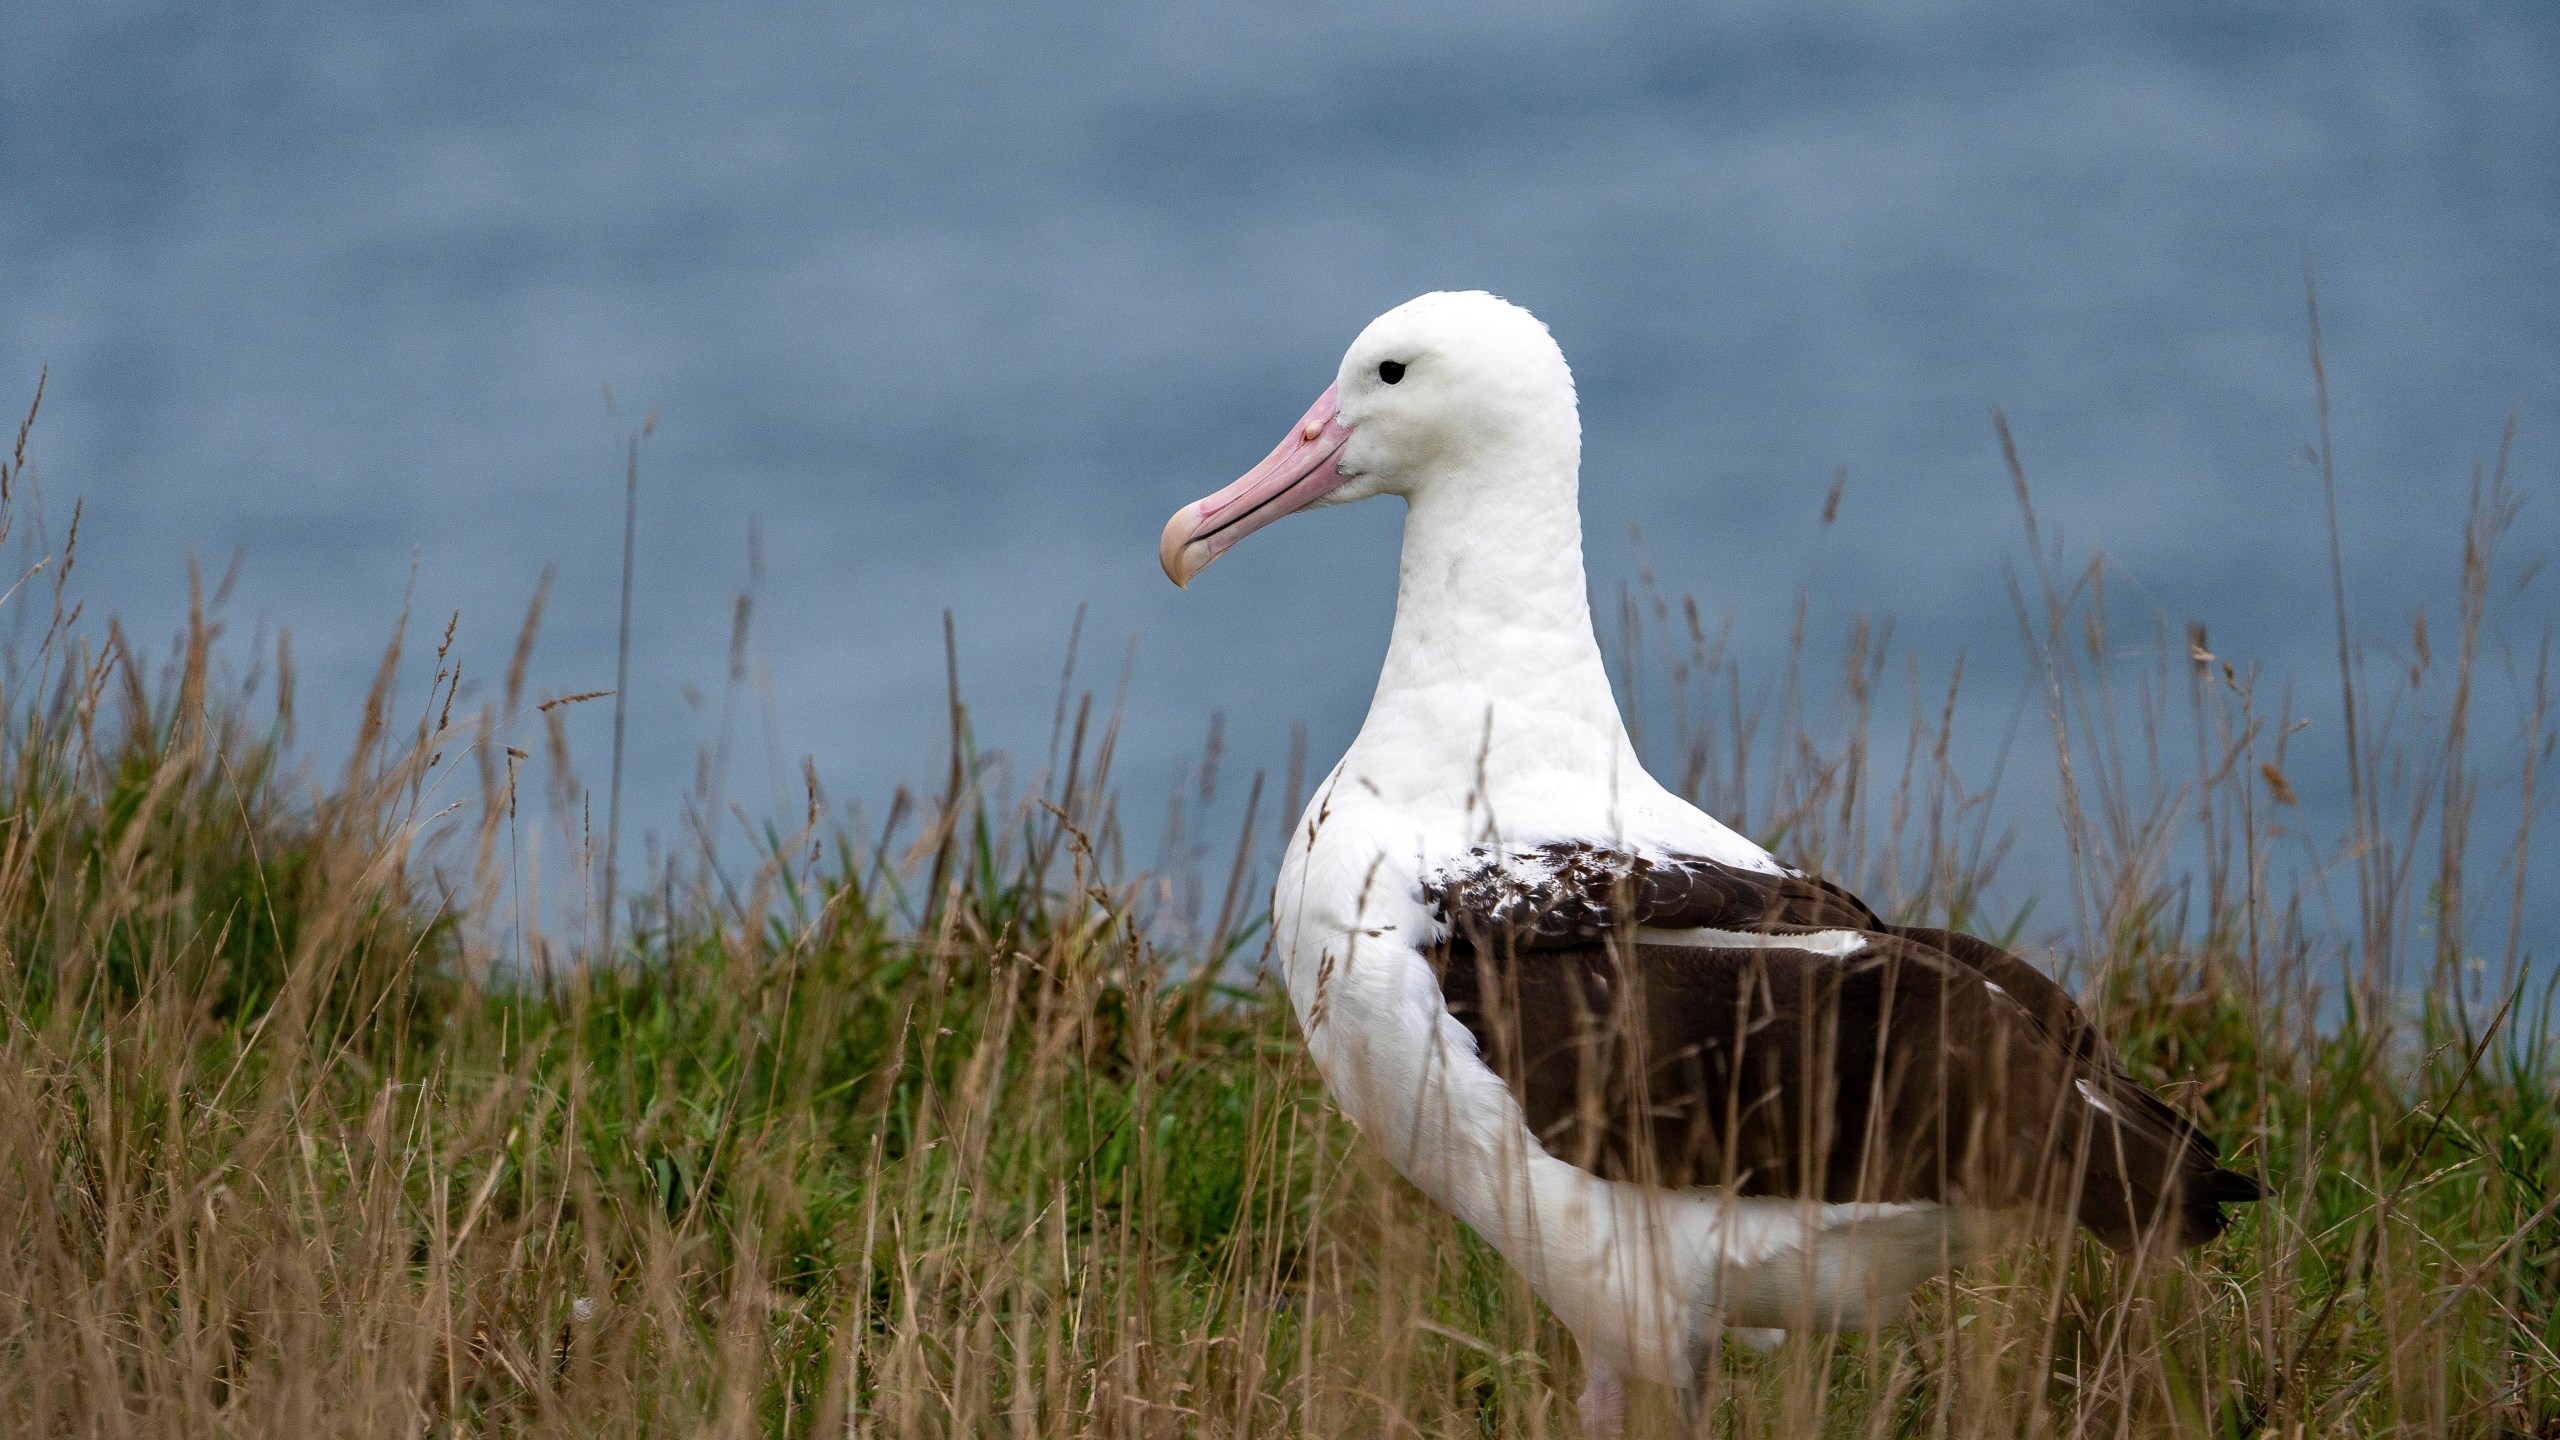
point(1678, 1084)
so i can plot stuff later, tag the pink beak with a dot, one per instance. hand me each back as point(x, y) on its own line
point(1302, 469)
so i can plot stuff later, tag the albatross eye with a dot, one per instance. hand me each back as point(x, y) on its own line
point(1391, 371)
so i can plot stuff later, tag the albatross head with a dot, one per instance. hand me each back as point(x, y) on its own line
point(1451, 388)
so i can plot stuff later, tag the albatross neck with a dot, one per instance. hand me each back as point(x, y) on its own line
point(1492, 670)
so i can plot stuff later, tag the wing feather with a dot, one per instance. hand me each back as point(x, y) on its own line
point(1920, 1065)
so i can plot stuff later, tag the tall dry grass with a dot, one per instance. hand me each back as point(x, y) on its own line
point(305, 1129)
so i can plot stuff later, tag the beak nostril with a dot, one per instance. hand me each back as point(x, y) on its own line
point(1310, 433)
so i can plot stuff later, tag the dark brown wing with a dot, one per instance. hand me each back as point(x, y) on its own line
point(2058, 1015)
point(1926, 1066)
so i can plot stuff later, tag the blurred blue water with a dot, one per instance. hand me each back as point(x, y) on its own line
point(960, 301)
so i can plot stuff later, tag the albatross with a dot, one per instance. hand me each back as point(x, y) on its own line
point(1684, 1087)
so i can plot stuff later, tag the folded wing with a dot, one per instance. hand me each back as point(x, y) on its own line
point(1679, 1022)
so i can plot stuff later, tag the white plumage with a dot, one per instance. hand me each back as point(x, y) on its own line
point(1494, 732)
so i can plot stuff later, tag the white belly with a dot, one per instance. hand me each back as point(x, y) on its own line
point(1640, 1275)
point(1644, 1277)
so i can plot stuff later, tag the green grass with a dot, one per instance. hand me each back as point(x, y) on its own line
point(830, 1149)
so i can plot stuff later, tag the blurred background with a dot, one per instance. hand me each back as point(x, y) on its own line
point(952, 305)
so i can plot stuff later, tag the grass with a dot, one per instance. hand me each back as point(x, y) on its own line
point(945, 1129)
